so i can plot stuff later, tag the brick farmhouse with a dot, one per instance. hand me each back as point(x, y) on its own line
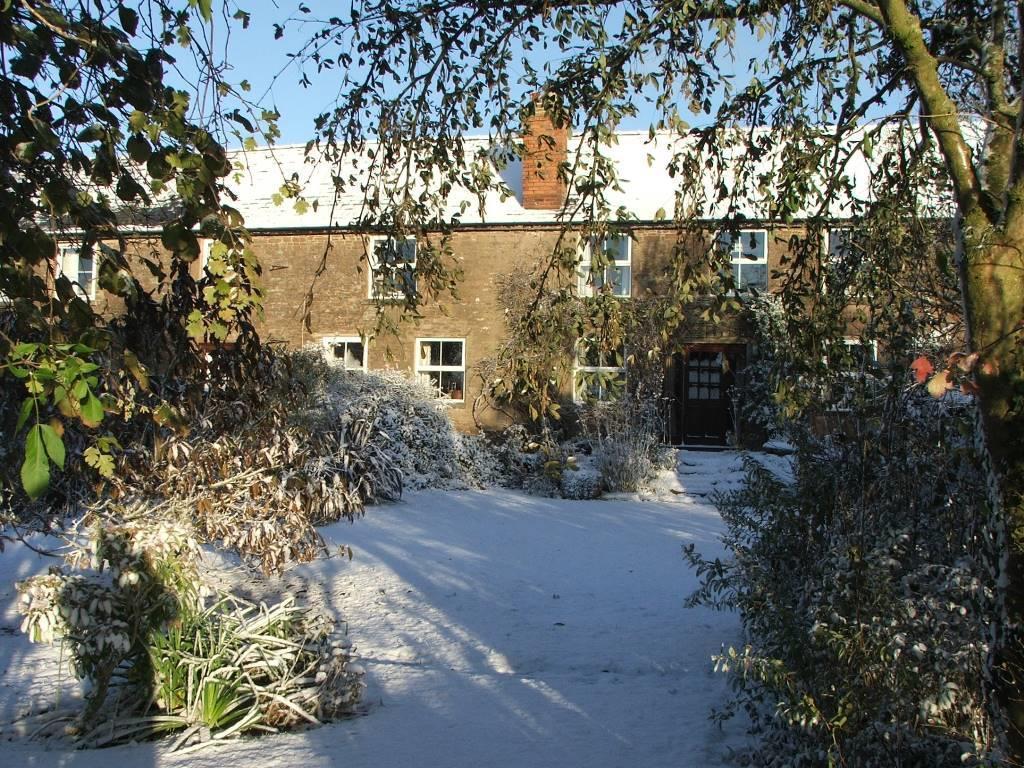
point(444, 345)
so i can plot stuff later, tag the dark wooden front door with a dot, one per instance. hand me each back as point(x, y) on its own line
point(701, 379)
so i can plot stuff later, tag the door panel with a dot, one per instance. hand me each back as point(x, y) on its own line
point(698, 383)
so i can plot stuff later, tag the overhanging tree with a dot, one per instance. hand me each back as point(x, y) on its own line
point(941, 81)
point(102, 142)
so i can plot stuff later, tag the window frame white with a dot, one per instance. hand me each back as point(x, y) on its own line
point(871, 346)
point(836, 266)
point(737, 260)
point(65, 250)
point(423, 372)
point(374, 285)
point(330, 341)
point(579, 393)
point(205, 252)
point(586, 285)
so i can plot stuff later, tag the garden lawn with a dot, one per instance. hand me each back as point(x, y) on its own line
point(496, 629)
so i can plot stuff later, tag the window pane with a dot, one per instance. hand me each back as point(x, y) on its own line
point(838, 244)
point(353, 354)
point(451, 353)
point(407, 281)
point(752, 245)
point(384, 252)
point(754, 276)
point(616, 247)
point(619, 277)
point(616, 385)
point(85, 272)
point(430, 353)
point(452, 384)
point(408, 251)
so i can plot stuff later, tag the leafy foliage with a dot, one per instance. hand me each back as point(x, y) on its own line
point(867, 589)
point(96, 146)
point(906, 89)
point(130, 606)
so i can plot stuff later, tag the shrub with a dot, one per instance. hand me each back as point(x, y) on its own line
point(129, 607)
point(865, 596)
point(126, 582)
point(627, 442)
point(413, 430)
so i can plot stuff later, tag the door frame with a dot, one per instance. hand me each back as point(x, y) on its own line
point(674, 391)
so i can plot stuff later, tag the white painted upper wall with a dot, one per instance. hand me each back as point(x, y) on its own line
point(641, 162)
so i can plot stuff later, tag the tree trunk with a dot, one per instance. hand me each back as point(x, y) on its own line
point(994, 300)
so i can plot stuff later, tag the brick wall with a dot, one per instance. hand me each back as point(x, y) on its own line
point(546, 149)
point(341, 305)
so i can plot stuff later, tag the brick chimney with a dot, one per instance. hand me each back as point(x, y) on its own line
point(546, 147)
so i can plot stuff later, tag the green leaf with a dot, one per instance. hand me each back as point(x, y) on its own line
point(205, 9)
point(136, 369)
point(101, 462)
point(53, 444)
point(35, 470)
point(92, 410)
point(26, 411)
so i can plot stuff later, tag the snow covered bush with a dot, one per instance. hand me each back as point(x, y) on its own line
point(157, 656)
point(581, 479)
point(865, 593)
point(626, 436)
point(118, 587)
point(412, 430)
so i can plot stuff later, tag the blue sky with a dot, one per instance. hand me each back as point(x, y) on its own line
point(255, 56)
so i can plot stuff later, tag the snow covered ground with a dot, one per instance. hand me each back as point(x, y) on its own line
point(496, 629)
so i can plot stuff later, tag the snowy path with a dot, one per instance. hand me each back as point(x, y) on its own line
point(496, 629)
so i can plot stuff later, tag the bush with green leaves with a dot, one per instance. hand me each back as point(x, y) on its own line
point(158, 654)
point(866, 594)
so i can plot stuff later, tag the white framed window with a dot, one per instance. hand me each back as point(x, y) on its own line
point(859, 354)
point(837, 245)
point(842, 258)
point(441, 364)
point(615, 253)
point(205, 251)
point(598, 375)
point(392, 267)
point(347, 351)
point(748, 258)
point(79, 268)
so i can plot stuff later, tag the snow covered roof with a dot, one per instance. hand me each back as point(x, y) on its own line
point(647, 188)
